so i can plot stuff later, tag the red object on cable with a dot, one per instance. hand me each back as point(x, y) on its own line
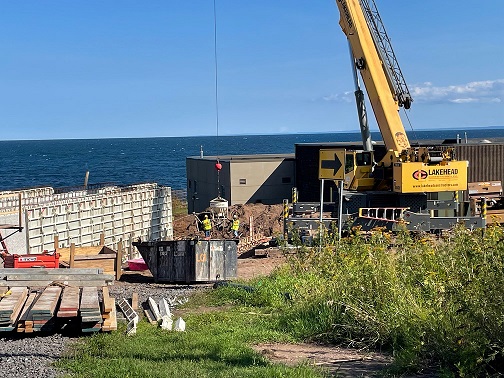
point(218, 166)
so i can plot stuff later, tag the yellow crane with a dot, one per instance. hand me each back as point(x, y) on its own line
point(404, 169)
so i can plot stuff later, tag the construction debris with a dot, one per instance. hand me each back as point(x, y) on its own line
point(166, 316)
point(180, 325)
point(130, 315)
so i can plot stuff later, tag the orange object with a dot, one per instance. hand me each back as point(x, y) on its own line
point(45, 260)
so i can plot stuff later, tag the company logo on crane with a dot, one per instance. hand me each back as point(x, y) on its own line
point(421, 174)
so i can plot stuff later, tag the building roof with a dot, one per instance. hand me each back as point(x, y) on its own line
point(238, 158)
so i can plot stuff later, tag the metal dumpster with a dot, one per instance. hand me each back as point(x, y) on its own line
point(190, 260)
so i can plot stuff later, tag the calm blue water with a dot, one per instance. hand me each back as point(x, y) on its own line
point(62, 163)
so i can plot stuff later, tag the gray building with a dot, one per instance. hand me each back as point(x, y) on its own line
point(242, 179)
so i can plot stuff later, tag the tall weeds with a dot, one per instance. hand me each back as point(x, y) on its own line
point(430, 300)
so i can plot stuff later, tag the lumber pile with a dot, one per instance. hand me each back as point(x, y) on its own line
point(42, 277)
point(11, 306)
point(48, 308)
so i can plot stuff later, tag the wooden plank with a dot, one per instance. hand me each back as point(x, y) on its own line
point(46, 303)
point(69, 302)
point(11, 305)
point(134, 301)
point(96, 257)
point(59, 277)
point(79, 251)
point(72, 255)
point(107, 301)
point(110, 324)
point(32, 284)
point(118, 261)
point(26, 312)
point(49, 271)
point(67, 314)
point(107, 265)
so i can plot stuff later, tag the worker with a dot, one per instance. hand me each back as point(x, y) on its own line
point(207, 227)
point(235, 226)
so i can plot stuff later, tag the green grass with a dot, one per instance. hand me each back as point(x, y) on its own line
point(216, 344)
point(179, 206)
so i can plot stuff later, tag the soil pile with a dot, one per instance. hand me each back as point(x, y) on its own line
point(265, 220)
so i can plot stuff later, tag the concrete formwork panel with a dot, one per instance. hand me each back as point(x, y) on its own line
point(127, 213)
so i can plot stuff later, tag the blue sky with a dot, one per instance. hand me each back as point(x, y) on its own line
point(124, 68)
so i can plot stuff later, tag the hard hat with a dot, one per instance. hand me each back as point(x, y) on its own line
point(235, 216)
point(206, 216)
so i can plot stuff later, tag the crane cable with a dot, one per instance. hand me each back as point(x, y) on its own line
point(411, 127)
point(216, 95)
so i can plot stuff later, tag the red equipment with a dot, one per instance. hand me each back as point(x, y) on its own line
point(45, 260)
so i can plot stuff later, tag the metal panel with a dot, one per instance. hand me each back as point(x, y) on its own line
point(217, 259)
point(202, 261)
point(172, 261)
point(486, 161)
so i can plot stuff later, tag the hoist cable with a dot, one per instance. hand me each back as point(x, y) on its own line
point(216, 71)
point(411, 127)
point(216, 94)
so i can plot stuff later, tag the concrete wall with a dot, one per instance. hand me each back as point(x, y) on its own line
point(126, 213)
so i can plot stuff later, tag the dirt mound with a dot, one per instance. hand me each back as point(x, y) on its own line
point(265, 220)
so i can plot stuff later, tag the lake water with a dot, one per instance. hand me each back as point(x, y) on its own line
point(63, 163)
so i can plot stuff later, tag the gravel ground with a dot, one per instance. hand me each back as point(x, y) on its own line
point(31, 355)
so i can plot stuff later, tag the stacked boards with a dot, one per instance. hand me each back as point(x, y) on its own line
point(108, 312)
point(44, 309)
point(91, 317)
point(11, 306)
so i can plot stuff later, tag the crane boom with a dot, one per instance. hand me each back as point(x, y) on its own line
point(378, 82)
point(403, 169)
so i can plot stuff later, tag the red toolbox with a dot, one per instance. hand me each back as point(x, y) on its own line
point(46, 260)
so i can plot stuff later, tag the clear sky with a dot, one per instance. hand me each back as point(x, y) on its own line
point(145, 68)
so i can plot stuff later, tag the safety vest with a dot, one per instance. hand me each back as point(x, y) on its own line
point(206, 224)
point(236, 225)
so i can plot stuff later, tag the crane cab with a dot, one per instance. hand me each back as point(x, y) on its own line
point(358, 170)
